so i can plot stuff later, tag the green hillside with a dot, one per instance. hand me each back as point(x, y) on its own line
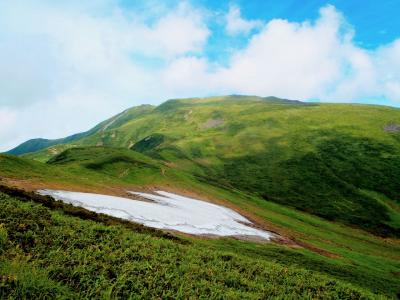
point(336, 161)
point(49, 254)
point(337, 252)
point(324, 176)
point(34, 145)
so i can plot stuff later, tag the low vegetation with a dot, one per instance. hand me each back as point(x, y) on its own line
point(314, 157)
point(327, 182)
point(48, 254)
point(326, 176)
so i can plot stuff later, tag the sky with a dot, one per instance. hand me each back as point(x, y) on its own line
point(67, 65)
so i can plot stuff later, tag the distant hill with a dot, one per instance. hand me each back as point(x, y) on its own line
point(337, 161)
point(34, 145)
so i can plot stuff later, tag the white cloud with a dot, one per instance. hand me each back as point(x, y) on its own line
point(187, 77)
point(387, 62)
point(309, 60)
point(180, 32)
point(64, 67)
point(295, 60)
point(235, 24)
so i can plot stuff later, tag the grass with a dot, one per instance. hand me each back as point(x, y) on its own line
point(314, 157)
point(326, 182)
point(354, 256)
point(47, 254)
point(327, 176)
point(96, 168)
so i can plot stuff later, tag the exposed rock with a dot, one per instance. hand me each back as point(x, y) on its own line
point(187, 115)
point(53, 151)
point(392, 127)
point(211, 123)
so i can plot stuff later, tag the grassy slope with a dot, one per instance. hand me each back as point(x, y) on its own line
point(358, 257)
point(93, 169)
point(264, 155)
point(47, 254)
point(332, 160)
point(35, 145)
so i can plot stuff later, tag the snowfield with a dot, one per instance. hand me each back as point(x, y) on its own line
point(166, 211)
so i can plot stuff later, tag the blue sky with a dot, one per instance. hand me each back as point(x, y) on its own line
point(376, 22)
point(66, 65)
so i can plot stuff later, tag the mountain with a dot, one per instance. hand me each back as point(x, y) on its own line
point(337, 161)
point(34, 145)
point(325, 176)
point(38, 144)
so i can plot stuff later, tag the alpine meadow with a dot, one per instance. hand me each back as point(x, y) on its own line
point(230, 194)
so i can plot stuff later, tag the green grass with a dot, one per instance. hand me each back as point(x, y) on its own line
point(326, 182)
point(359, 258)
point(95, 167)
point(314, 157)
point(47, 254)
point(327, 176)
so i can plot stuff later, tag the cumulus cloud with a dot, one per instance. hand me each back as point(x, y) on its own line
point(295, 60)
point(64, 67)
point(180, 32)
point(308, 60)
point(387, 62)
point(235, 24)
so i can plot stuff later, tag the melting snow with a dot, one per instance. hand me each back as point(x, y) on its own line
point(166, 211)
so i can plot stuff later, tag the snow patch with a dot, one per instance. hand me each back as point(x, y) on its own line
point(166, 211)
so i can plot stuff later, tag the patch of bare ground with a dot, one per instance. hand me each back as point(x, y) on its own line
point(31, 185)
point(187, 115)
point(317, 250)
point(393, 128)
point(53, 151)
point(396, 273)
point(211, 123)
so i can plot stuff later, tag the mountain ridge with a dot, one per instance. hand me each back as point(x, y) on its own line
point(326, 176)
point(326, 159)
point(38, 144)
